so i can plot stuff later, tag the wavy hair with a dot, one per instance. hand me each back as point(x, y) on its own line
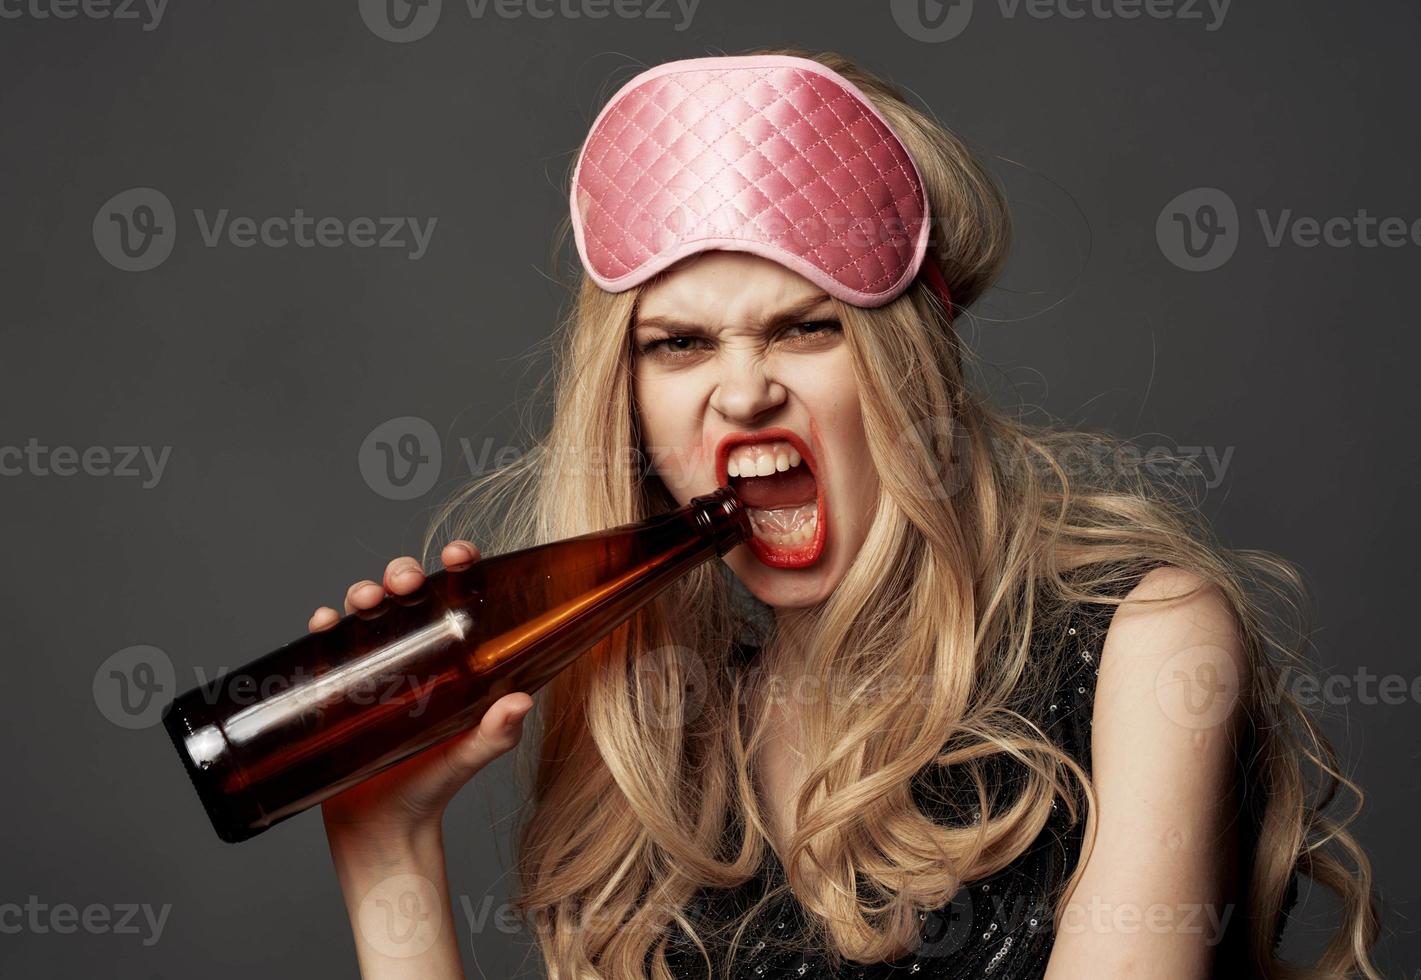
point(640, 794)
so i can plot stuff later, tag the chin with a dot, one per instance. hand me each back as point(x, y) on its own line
point(778, 587)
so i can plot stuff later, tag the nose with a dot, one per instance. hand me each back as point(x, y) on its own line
point(746, 393)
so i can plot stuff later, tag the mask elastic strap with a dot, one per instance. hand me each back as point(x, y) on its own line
point(932, 275)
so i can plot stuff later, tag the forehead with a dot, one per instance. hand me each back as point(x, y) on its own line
point(725, 287)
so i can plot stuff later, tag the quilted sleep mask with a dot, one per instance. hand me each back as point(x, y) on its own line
point(777, 156)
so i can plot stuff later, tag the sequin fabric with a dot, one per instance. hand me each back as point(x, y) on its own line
point(997, 928)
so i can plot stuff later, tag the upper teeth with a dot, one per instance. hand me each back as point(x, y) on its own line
point(762, 459)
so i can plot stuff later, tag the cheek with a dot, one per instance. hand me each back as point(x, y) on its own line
point(832, 397)
point(666, 414)
point(831, 394)
point(858, 472)
point(656, 406)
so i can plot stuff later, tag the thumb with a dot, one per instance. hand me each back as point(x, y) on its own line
point(500, 729)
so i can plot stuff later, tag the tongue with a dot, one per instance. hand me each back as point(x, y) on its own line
point(794, 486)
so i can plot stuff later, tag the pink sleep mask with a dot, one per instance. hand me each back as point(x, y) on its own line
point(777, 156)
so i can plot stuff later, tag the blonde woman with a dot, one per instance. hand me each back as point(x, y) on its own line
point(963, 707)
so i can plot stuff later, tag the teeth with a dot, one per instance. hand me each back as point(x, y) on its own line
point(762, 459)
point(786, 527)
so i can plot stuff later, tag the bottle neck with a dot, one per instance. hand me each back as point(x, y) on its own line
point(723, 518)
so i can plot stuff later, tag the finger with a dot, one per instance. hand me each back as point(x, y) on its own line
point(323, 619)
point(403, 576)
point(512, 708)
point(459, 554)
point(499, 731)
point(363, 595)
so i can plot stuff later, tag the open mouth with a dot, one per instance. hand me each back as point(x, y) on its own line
point(773, 475)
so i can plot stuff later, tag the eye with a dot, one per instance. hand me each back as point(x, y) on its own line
point(813, 332)
point(671, 348)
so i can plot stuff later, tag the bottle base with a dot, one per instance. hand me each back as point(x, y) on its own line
point(206, 758)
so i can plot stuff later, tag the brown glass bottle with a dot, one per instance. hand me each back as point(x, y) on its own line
point(333, 708)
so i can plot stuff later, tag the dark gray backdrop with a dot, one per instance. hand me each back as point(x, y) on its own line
point(263, 379)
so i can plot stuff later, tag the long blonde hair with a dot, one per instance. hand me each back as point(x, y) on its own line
point(628, 813)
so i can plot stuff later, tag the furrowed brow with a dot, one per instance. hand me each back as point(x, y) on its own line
point(791, 314)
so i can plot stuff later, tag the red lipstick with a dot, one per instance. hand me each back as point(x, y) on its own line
point(774, 555)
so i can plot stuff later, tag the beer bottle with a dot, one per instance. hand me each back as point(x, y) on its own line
point(328, 710)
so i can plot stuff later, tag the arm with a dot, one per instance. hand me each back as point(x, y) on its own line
point(386, 832)
point(1156, 893)
point(396, 894)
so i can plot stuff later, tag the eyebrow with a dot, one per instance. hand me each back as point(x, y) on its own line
point(790, 314)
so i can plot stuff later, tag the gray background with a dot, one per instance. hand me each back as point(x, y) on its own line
point(264, 369)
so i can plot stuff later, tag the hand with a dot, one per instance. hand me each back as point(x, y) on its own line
point(410, 797)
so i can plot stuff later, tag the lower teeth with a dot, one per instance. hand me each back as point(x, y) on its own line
point(786, 527)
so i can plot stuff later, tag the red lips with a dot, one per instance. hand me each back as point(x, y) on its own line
point(770, 554)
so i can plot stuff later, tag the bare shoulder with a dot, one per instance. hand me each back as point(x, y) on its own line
point(1163, 744)
point(1169, 692)
point(1170, 612)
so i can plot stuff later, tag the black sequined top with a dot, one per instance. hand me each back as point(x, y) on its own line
point(997, 928)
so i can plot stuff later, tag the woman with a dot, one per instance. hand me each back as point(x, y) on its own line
point(1006, 716)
